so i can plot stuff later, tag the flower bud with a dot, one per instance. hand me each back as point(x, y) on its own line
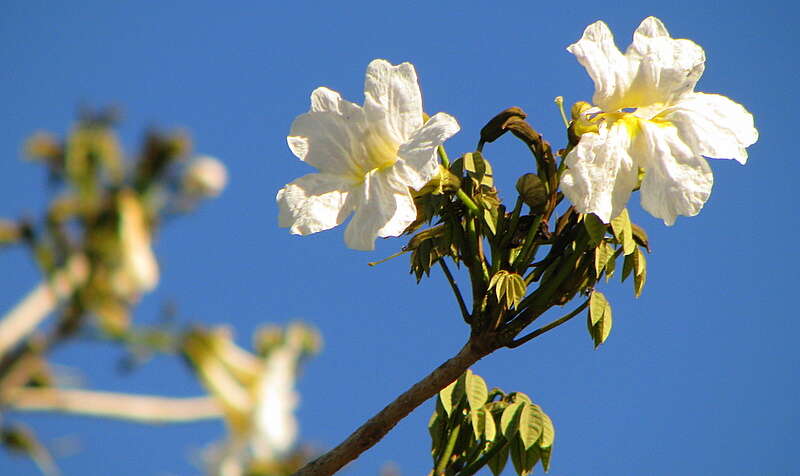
point(138, 271)
point(497, 126)
point(43, 145)
point(205, 177)
point(578, 109)
point(532, 191)
point(10, 232)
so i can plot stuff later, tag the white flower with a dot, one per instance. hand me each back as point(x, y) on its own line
point(205, 177)
point(138, 270)
point(648, 116)
point(367, 158)
point(274, 422)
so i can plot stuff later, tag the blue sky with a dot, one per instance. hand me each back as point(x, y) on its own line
point(699, 375)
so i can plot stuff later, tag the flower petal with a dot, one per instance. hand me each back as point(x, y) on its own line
point(393, 99)
point(383, 208)
point(314, 202)
point(676, 181)
point(664, 69)
point(417, 163)
point(601, 172)
point(607, 67)
point(714, 126)
point(328, 136)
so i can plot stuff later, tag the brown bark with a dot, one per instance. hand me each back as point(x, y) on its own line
point(376, 427)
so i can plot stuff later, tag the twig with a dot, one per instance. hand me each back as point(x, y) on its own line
point(139, 408)
point(461, 305)
point(39, 303)
point(548, 327)
point(376, 427)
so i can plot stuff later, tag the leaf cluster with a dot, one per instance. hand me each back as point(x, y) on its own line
point(472, 428)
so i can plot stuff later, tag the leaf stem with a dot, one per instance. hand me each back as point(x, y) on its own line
point(461, 305)
point(448, 451)
point(473, 208)
point(443, 156)
point(481, 462)
point(552, 325)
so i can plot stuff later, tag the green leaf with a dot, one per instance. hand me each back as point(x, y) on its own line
point(611, 264)
point(477, 424)
point(520, 396)
point(530, 424)
point(627, 267)
point(621, 225)
point(489, 428)
point(601, 257)
point(497, 463)
point(640, 236)
point(469, 164)
point(437, 428)
point(532, 456)
point(523, 459)
point(597, 307)
point(488, 174)
point(476, 390)
point(509, 287)
point(601, 328)
point(451, 395)
point(548, 432)
point(509, 422)
point(640, 272)
point(595, 227)
point(489, 219)
point(545, 454)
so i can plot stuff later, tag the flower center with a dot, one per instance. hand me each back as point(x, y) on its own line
point(630, 118)
point(381, 152)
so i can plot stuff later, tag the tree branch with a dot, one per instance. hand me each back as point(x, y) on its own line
point(39, 303)
point(139, 408)
point(376, 427)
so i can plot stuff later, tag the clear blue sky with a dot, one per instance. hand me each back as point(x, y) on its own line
point(699, 376)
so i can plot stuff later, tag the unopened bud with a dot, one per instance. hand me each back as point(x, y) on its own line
point(520, 128)
point(10, 232)
point(42, 145)
point(532, 191)
point(205, 177)
point(138, 271)
point(578, 109)
point(497, 126)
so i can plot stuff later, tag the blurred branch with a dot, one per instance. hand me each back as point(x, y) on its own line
point(139, 408)
point(39, 303)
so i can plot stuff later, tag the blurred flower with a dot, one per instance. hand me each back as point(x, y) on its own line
point(138, 270)
point(367, 158)
point(257, 393)
point(648, 116)
point(205, 177)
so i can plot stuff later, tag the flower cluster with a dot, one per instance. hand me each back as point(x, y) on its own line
point(647, 129)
